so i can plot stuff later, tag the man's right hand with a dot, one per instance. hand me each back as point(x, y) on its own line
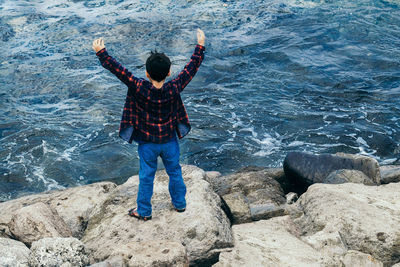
point(200, 37)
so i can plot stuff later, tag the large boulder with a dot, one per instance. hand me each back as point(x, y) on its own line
point(203, 228)
point(305, 169)
point(74, 205)
point(251, 194)
point(13, 253)
point(342, 217)
point(65, 252)
point(390, 174)
point(37, 221)
point(269, 243)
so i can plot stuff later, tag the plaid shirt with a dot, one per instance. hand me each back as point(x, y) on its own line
point(151, 114)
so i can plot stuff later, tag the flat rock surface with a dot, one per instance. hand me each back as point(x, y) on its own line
point(268, 243)
point(338, 218)
point(203, 228)
point(157, 253)
point(356, 258)
point(13, 253)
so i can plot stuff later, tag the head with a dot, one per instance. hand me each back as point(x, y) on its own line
point(158, 66)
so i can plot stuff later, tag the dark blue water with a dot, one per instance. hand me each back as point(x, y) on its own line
point(318, 76)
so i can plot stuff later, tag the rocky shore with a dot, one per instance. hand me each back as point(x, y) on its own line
point(318, 210)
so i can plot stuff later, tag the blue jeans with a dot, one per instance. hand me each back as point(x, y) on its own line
point(169, 153)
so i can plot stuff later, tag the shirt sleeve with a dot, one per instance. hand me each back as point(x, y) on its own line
point(116, 68)
point(190, 69)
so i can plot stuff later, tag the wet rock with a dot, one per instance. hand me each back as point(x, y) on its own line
point(13, 253)
point(65, 252)
point(269, 243)
point(356, 258)
point(203, 228)
point(251, 195)
point(347, 176)
point(342, 217)
point(74, 205)
point(305, 169)
point(390, 174)
point(37, 221)
point(152, 253)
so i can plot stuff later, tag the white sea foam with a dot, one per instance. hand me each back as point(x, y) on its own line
point(50, 184)
point(267, 145)
point(295, 143)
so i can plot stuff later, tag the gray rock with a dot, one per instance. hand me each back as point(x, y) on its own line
point(269, 243)
point(342, 217)
point(356, 258)
point(203, 228)
point(251, 195)
point(239, 207)
point(54, 252)
point(116, 261)
point(74, 205)
point(347, 176)
point(390, 174)
point(291, 198)
point(266, 211)
point(152, 254)
point(304, 169)
point(13, 253)
point(212, 175)
point(37, 221)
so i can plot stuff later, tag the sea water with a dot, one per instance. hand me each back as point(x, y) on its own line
point(278, 76)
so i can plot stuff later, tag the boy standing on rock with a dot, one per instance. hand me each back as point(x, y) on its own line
point(154, 116)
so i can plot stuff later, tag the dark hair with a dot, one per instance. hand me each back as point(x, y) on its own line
point(158, 66)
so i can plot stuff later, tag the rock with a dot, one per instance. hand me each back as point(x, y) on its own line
point(347, 176)
point(269, 243)
point(304, 169)
point(342, 217)
point(238, 206)
point(390, 174)
point(116, 261)
point(13, 253)
point(251, 195)
point(74, 205)
point(212, 175)
point(65, 252)
point(203, 228)
point(356, 258)
point(291, 198)
point(266, 211)
point(37, 221)
point(152, 253)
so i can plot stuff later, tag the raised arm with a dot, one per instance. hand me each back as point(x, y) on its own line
point(112, 65)
point(191, 68)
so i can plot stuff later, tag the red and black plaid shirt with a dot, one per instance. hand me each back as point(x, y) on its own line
point(151, 114)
